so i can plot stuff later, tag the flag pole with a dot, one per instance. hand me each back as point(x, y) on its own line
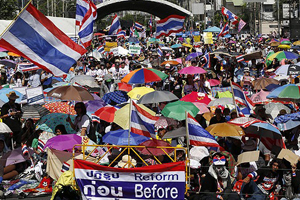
point(188, 147)
point(130, 110)
point(233, 99)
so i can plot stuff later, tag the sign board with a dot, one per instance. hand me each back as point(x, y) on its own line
point(285, 11)
point(134, 49)
point(197, 38)
point(110, 45)
point(249, 156)
point(288, 155)
point(165, 181)
point(207, 37)
point(35, 95)
point(22, 90)
point(198, 8)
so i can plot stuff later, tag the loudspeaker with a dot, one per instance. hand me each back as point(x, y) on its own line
point(295, 28)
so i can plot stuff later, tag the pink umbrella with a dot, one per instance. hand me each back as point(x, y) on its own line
point(260, 97)
point(164, 122)
point(63, 142)
point(213, 82)
point(192, 70)
point(231, 42)
point(202, 107)
point(2, 49)
point(284, 39)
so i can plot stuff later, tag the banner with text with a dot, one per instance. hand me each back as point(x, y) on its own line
point(166, 181)
point(134, 49)
point(35, 95)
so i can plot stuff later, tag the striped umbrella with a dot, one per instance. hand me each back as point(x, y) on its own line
point(289, 92)
point(144, 75)
point(283, 55)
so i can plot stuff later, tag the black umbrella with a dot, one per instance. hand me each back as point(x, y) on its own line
point(157, 97)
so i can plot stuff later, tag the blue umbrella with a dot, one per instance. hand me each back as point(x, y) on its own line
point(193, 55)
point(174, 46)
point(120, 137)
point(116, 97)
point(5, 91)
point(213, 29)
point(227, 36)
point(288, 121)
point(272, 87)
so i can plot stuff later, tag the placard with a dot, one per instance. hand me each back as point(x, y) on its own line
point(22, 90)
point(134, 49)
point(35, 95)
point(207, 37)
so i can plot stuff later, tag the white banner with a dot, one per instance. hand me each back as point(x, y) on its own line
point(35, 95)
point(22, 90)
point(134, 49)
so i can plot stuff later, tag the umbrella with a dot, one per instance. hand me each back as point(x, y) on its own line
point(285, 70)
point(166, 49)
point(144, 75)
point(164, 122)
point(3, 54)
point(175, 46)
point(196, 97)
point(4, 128)
point(70, 93)
point(287, 92)
point(34, 111)
point(225, 130)
point(213, 82)
point(124, 87)
point(120, 137)
point(273, 40)
point(283, 55)
point(170, 62)
point(227, 36)
point(254, 55)
point(288, 121)
point(202, 107)
point(63, 142)
point(192, 70)
point(261, 83)
point(193, 55)
point(272, 87)
point(274, 108)
point(275, 44)
point(15, 156)
point(157, 97)
point(93, 105)
point(115, 97)
point(222, 101)
point(176, 133)
point(260, 97)
point(150, 148)
point(177, 109)
point(122, 115)
point(5, 91)
point(85, 80)
point(13, 54)
point(60, 107)
point(284, 46)
point(286, 42)
point(106, 113)
point(50, 121)
point(2, 49)
point(138, 92)
point(231, 42)
point(296, 43)
point(213, 29)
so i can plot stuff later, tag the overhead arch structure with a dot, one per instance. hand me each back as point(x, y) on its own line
point(159, 8)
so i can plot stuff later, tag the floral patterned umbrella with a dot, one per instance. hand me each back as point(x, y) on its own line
point(60, 107)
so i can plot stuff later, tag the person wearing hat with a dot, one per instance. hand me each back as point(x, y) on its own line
point(127, 162)
point(11, 114)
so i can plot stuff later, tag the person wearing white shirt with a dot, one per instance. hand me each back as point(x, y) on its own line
point(92, 72)
point(102, 71)
point(34, 79)
point(123, 70)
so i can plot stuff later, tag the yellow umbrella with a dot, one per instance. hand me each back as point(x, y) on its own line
point(122, 115)
point(13, 54)
point(187, 45)
point(284, 46)
point(275, 44)
point(225, 130)
point(138, 92)
point(297, 42)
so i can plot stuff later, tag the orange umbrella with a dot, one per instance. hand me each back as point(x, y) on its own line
point(170, 62)
point(225, 130)
point(13, 54)
point(124, 87)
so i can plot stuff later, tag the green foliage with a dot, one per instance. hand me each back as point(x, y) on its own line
point(9, 9)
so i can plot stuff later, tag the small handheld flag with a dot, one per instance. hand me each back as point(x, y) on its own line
point(25, 150)
point(65, 167)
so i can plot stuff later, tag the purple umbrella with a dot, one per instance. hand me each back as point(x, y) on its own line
point(15, 156)
point(93, 106)
point(193, 55)
point(8, 63)
point(63, 142)
point(96, 97)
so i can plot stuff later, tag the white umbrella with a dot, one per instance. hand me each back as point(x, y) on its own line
point(4, 128)
point(85, 80)
point(274, 108)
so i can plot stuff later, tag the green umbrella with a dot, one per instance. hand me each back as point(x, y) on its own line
point(176, 110)
point(286, 42)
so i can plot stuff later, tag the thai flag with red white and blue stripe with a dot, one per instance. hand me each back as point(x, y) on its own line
point(224, 31)
point(160, 52)
point(169, 25)
point(138, 26)
point(25, 150)
point(150, 23)
point(100, 49)
point(230, 16)
point(142, 122)
point(65, 167)
point(132, 30)
point(207, 59)
point(121, 34)
point(240, 58)
point(25, 67)
point(240, 96)
point(34, 37)
point(87, 11)
point(115, 26)
point(41, 145)
point(198, 135)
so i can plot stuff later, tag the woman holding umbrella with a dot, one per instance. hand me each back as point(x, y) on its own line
point(82, 121)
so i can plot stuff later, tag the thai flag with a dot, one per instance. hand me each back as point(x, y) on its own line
point(171, 24)
point(240, 58)
point(115, 26)
point(160, 52)
point(89, 12)
point(41, 145)
point(132, 30)
point(199, 136)
point(25, 67)
point(224, 31)
point(207, 59)
point(25, 150)
point(150, 23)
point(65, 167)
point(100, 49)
point(142, 122)
point(240, 96)
point(121, 34)
point(138, 26)
point(34, 37)
point(230, 16)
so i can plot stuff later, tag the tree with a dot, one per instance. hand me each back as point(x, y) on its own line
point(9, 9)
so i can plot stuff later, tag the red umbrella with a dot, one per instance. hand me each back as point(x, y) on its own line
point(150, 147)
point(106, 113)
point(196, 97)
point(124, 87)
point(213, 82)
